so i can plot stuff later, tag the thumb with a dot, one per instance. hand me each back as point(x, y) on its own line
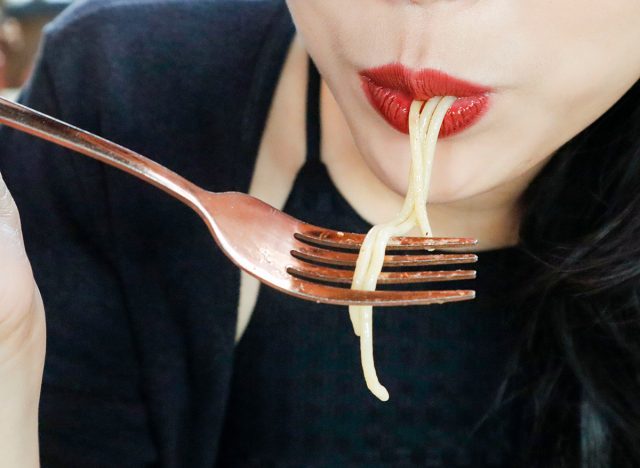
point(16, 277)
point(10, 232)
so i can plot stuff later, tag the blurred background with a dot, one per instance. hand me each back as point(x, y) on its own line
point(21, 23)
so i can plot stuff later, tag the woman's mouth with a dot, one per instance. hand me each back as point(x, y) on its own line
point(391, 89)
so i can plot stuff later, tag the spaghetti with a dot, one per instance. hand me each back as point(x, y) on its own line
point(424, 127)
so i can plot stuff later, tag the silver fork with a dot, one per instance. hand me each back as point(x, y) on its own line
point(282, 252)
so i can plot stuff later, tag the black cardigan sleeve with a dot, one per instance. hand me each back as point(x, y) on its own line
point(92, 411)
point(141, 305)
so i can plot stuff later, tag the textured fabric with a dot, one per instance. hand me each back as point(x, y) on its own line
point(141, 305)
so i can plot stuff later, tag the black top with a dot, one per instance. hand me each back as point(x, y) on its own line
point(141, 305)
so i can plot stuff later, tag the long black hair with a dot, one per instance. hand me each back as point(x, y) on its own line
point(577, 360)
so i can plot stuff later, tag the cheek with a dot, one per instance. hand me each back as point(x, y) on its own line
point(586, 57)
point(566, 75)
point(323, 24)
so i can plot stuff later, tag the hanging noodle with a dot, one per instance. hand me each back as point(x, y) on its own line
point(424, 127)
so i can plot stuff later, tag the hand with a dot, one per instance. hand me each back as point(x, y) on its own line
point(22, 343)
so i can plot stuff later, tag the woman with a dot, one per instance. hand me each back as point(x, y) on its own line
point(143, 313)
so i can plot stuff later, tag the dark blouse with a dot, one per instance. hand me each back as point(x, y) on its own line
point(141, 305)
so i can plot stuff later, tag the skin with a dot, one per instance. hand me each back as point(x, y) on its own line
point(564, 62)
point(22, 343)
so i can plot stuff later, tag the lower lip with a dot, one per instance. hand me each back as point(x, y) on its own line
point(394, 106)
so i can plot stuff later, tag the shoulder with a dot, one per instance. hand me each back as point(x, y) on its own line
point(178, 31)
point(167, 78)
point(177, 15)
point(146, 48)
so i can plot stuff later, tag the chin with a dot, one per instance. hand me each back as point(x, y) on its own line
point(452, 183)
point(449, 182)
point(448, 194)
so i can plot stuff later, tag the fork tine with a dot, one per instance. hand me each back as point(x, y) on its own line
point(342, 296)
point(319, 255)
point(331, 275)
point(349, 240)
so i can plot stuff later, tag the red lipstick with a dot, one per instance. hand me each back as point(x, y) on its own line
point(391, 89)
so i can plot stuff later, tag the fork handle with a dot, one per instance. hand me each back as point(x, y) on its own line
point(48, 128)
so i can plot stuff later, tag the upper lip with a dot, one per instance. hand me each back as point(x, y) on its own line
point(421, 84)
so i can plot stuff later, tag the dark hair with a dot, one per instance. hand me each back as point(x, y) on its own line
point(577, 361)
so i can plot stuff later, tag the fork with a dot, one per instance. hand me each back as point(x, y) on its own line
point(292, 256)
